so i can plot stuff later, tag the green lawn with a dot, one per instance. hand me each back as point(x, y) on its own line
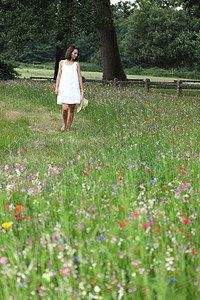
point(27, 72)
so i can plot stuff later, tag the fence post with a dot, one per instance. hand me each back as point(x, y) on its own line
point(179, 88)
point(115, 82)
point(147, 85)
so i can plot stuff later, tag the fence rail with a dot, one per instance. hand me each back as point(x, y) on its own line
point(180, 85)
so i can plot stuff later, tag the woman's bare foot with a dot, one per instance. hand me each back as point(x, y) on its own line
point(63, 128)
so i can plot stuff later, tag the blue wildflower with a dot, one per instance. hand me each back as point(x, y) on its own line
point(172, 279)
point(75, 258)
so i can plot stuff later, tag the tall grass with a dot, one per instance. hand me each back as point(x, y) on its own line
point(109, 210)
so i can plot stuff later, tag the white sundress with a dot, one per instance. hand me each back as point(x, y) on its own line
point(69, 88)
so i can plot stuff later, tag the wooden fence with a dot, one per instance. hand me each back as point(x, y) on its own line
point(179, 85)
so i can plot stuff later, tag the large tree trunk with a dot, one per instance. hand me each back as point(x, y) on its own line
point(112, 66)
point(64, 30)
point(60, 54)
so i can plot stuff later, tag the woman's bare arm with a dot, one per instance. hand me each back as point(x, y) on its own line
point(80, 78)
point(58, 77)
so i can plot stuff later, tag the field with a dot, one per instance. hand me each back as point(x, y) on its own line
point(27, 71)
point(109, 210)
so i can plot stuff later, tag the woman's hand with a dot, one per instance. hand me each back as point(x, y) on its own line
point(57, 91)
point(82, 92)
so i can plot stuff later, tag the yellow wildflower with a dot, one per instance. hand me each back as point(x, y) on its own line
point(6, 225)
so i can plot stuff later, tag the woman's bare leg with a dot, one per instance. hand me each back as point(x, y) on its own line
point(70, 116)
point(65, 109)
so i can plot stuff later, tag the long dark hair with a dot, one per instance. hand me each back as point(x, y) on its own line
point(69, 51)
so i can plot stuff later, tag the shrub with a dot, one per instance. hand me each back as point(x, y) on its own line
point(7, 70)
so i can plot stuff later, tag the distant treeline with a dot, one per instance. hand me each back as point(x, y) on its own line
point(152, 37)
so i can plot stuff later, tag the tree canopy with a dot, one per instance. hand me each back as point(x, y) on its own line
point(25, 22)
point(162, 37)
point(149, 33)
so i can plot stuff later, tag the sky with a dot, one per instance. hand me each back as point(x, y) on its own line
point(115, 1)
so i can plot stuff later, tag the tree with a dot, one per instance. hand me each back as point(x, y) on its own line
point(121, 12)
point(112, 66)
point(63, 26)
point(25, 22)
point(162, 37)
point(22, 24)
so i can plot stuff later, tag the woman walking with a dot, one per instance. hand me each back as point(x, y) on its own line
point(68, 84)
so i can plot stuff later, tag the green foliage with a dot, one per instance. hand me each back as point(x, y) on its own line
point(156, 35)
point(35, 53)
point(7, 70)
point(162, 37)
point(24, 23)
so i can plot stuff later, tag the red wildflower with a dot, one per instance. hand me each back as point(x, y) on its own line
point(6, 207)
point(145, 225)
point(122, 224)
point(85, 173)
point(16, 215)
point(19, 207)
point(19, 219)
point(136, 214)
point(149, 171)
point(186, 221)
point(181, 229)
point(120, 179)
point(25, 149)
point(194, 252)
point(183, 215)
point(187, 235)
point(158, 229)
point(123, 207)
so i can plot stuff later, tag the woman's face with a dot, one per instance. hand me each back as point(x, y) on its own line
point(74, 54)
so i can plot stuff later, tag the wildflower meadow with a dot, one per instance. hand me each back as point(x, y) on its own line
point(109, 210)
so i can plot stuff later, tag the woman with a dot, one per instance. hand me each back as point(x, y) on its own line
point(68, 84)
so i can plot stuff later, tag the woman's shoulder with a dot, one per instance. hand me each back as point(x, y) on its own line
point(61, 61)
